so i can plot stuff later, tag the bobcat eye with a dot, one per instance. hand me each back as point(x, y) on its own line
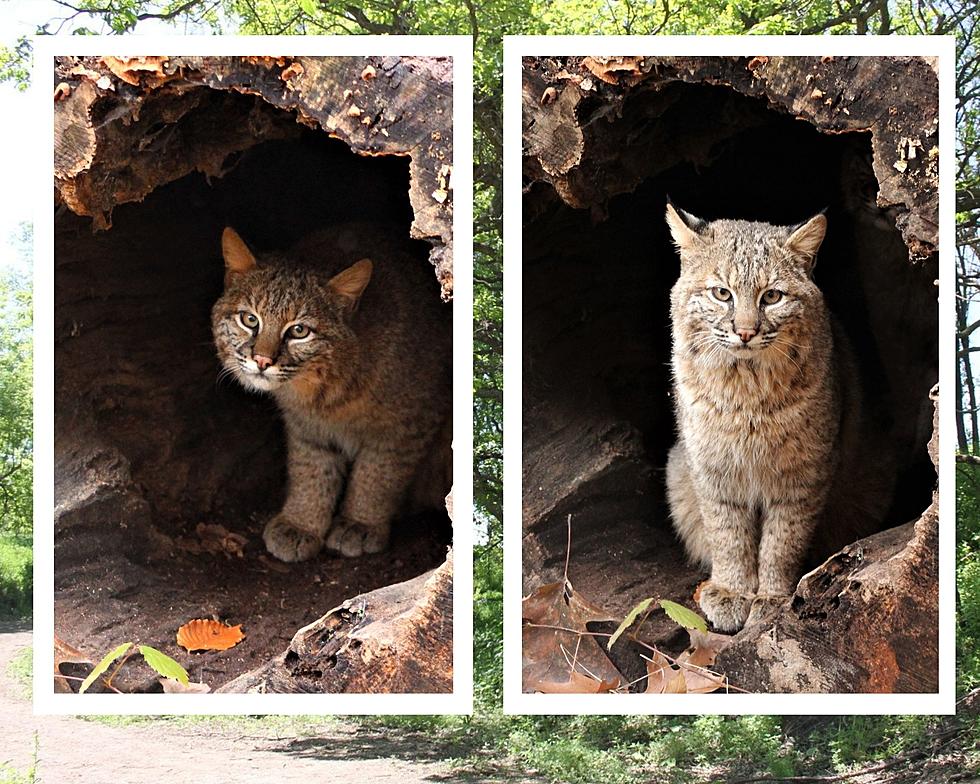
point(299, 331)
point(771, 297)
point(248, 320)
point(721, 294)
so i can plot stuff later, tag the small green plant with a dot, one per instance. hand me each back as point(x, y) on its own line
point(678, 613)
point(16, 576)
point(162, 664)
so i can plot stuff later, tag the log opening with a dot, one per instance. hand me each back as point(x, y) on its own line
point(148, 442)
point(598, 267)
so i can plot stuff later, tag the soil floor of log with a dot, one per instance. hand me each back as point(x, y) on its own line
point(111, 600)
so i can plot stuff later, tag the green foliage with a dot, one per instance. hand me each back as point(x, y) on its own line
point(860, 739)
point(682, 616)
point(968, 575)
point(15, 63)
point(631, 616)
point(163, 665)
point(16, 577)
point(16, 404)
point(600, 749)
point(103, 665)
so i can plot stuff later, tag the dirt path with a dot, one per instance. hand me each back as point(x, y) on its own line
point(77, 751)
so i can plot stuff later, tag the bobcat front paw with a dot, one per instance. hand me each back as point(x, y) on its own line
point(288, 542)
point(725, 609)
point(352, 539)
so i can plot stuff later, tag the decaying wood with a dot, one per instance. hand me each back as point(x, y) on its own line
point(866, 619)
point(129, 126)
point(572, 143)
point(395, 639)
point(147, 445)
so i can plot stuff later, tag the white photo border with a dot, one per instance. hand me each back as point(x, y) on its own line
point(460, 700)
point(517, 702)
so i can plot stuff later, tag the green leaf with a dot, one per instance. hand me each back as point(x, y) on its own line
point(103, 665)
point(682, 616)
point(164, 665)
point(628, 621)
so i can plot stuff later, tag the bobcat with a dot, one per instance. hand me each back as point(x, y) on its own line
point(356, 352)
point(770, 435)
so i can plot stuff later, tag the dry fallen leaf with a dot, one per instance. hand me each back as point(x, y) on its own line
point(62, 91)
point(66, 654)
point(577, 683)
point(171, 686)
point(207, 635)
point(661, 677)
point(556, 643)
point(695, 663)
point(213, 539)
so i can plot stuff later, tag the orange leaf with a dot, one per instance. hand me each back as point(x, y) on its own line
point(205, 635)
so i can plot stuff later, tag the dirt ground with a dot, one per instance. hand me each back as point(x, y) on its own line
point(101, 603)
point(79, 751)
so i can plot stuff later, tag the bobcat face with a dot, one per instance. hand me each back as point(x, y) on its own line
point(744, 290)
point(274, 324)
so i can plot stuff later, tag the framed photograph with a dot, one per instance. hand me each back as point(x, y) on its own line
point(729, 277)
point(253, 375)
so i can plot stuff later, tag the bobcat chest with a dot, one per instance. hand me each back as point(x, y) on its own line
point(752, 429)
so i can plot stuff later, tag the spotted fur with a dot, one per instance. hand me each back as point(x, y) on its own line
point(763, 409)
point(356, 352)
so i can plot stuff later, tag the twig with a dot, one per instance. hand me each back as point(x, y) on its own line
point(568, 549)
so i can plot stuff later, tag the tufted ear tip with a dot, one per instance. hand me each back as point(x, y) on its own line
point(685, 228)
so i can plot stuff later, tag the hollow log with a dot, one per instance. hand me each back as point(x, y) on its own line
point(153, 157)
point(775, 139)
point(393, 640)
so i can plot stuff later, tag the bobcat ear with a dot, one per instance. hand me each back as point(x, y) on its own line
point(686, 229)
point(238, 258)
point(804, 240)
point(350, 283)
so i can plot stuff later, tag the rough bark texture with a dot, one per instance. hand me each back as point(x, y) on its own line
point(764, 138)
point(154, 156)
point(118, 134)
point(395, 639)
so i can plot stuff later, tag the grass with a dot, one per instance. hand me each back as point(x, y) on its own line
point(16, 576)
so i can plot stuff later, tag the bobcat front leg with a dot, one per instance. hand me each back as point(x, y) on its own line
point(316, 477)
point(727, 596)
point(375, 490)
point(787, 528)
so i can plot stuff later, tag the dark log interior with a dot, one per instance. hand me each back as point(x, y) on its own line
point(598, 418)
point(148, 443)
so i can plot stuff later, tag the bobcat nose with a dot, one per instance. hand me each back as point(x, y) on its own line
point(261, 361)
point(746, 334)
